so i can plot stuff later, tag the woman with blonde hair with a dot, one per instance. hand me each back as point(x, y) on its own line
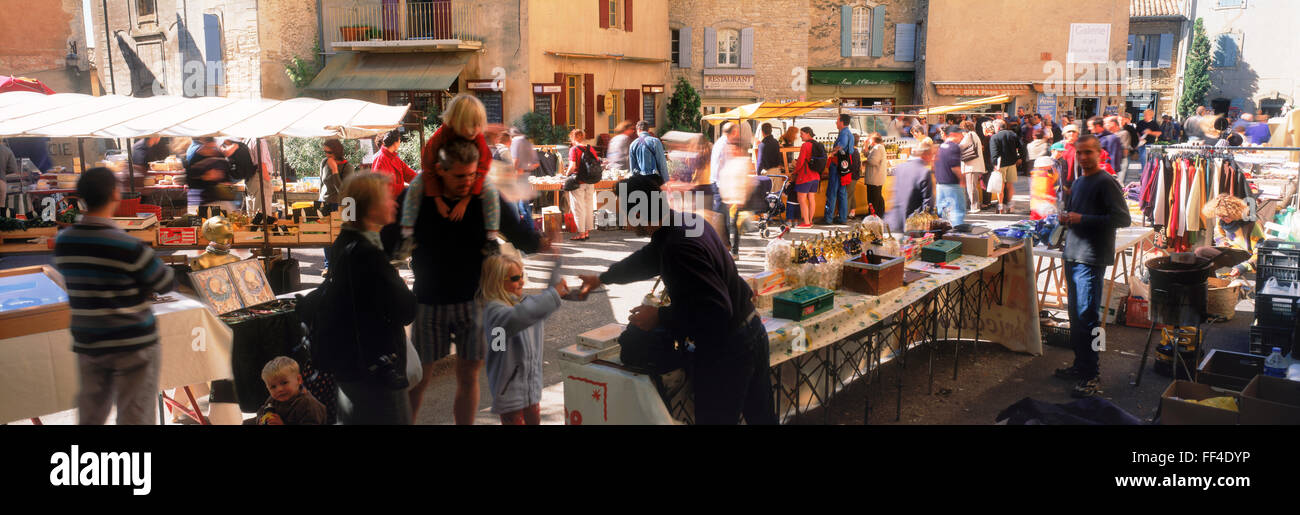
point(515, 371)
point(466, 119)
point(1226, 212)
point(372, 389)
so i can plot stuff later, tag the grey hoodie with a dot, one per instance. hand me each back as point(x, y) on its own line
point(515, 372)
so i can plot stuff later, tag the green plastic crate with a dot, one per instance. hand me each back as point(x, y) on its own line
point(942, 251)
point(801, 303)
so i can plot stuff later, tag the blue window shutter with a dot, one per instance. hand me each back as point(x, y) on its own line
point(846, 31)
point(710, 47)
point(1132, 48)
point(684, 47)
point(211, 37)
point(878, 31)
point(905, 42)
point(1166, 50)
point(747, 48)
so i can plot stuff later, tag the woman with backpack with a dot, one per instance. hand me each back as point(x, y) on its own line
point(583, 199)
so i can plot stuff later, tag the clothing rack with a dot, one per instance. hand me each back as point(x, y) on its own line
point(1232, 149)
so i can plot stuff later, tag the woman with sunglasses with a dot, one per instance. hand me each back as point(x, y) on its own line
point(334, 169)
point(514, 326)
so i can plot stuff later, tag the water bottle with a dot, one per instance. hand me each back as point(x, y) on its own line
point(1293, 372)
point(1275, 365)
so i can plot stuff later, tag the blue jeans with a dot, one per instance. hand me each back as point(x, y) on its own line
point(722, 209)
point(330, 208)
point(1083, 283)
point(1142, 155)
point(951, 203)
point(525, 211)
point(836, 195)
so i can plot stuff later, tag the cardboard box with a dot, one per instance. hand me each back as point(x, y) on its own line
point(1270, 401)
point(764, 300)
point(579, 354)
point(602, 337)
point(766, 281)
point(1230, 371)
point(1181, 412)
point(149, 236)
point(972, 245)
point(1117, 299)
point(178, 236)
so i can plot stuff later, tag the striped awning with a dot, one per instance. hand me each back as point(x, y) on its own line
point(998, 99)
point(768, 111)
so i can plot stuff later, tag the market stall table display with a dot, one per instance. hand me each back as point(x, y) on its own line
point(38, 372)
point(1050, 268)
point(816, 357)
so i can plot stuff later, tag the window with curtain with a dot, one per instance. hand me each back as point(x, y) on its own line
point(861, 31)
point(728, 48)
point(1146, 49)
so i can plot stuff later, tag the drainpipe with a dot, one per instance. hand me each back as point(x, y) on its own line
point(108, 46)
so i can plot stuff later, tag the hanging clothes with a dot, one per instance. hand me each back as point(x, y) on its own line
point(1161, 199)
point(1196, 198)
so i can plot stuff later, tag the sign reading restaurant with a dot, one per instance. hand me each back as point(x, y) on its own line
point(728, 82)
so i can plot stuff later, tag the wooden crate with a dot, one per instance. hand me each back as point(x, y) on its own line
point(35, 319)
point(244, 237)
point(29, 233)
point(316, 232)
point(149, 236)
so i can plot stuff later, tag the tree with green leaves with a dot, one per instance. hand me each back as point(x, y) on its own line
point(1196, 80)
point(683, 109)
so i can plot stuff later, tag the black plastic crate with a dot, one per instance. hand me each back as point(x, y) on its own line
point(1263, 337)
point(1276, 309)
point(1282, 273)
point(1056, 332)
point(1279, 253)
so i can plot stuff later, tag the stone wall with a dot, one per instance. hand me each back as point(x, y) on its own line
point(1163, 81)
point(780, 32)
point(37, 38)
point(824, 33)
point(287, 29)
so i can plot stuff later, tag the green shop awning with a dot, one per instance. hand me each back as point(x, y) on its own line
point(858, 77)
point(349, 71)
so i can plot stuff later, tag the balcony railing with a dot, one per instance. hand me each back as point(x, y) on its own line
point(401, 20)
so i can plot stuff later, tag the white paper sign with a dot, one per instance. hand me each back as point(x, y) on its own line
point(1089, 43)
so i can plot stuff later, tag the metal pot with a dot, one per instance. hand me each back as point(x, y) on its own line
point(1178, 289)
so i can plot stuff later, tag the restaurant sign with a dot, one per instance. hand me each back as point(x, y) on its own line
point(728, 82)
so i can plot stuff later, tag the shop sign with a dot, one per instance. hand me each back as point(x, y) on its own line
point(981, 90)
point(486, 85)
point(728, 82)
point(545, 89)
point(653, 90)
point(1089, 43)
point(1047, 105)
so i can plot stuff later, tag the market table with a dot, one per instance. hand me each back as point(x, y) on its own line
point(847, 343)
point(1050, 267)
point(38, 372)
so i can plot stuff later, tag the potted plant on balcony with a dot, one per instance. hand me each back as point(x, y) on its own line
point(355, 32)
point(375, 34)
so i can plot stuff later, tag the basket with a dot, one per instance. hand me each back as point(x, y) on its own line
point(1055, 331)
point(1221, 298)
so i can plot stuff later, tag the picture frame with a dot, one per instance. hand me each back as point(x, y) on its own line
point(216, 287)
point(251, 282)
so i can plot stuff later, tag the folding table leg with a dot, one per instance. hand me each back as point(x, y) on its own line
point(1146, 349)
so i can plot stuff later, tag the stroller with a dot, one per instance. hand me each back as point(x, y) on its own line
point(768, 201)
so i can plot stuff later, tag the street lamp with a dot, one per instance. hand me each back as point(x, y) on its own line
point(72, 61)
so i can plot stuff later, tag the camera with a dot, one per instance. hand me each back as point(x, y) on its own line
point(386, 371)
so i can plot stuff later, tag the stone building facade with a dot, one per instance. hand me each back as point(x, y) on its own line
point(1157, 41)
point(864, 51)
point(235, 48)
point(1253, 50)
point(737, 53)
point(36, 43)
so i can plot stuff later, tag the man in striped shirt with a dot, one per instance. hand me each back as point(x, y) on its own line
point(110, 277)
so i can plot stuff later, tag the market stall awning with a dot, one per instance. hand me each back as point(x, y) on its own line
point(114, 116)
point(999, 99)
point(768, 111)
point(366, 71)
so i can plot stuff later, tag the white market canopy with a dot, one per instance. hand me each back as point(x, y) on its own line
point(71, 115)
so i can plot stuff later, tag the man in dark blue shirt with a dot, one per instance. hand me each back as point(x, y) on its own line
point(769, 151)
point(951, 190)
point(1094, 211)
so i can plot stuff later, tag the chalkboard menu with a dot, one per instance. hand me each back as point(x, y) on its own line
point(542, 106)
point(492, 102)
point(649, 111)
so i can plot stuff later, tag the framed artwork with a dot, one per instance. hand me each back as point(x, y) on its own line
point(216, 287)
point(251, 282)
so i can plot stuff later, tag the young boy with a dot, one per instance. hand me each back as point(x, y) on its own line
point(289, 404)
point(110, 278)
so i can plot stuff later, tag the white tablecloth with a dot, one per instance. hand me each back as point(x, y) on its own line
point(38, 372)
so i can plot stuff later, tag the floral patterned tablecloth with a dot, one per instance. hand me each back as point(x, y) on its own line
point(855, 312)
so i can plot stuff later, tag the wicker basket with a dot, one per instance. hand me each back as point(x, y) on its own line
point(1221, 299)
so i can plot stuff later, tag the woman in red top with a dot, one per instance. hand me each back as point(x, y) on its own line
point(388, 163)
point(806, 180)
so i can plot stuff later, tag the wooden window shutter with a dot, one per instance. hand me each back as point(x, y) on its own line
point(589, 101)
point(632, 104)
point(878, 31)
point(1166, 50)
point(627, 15)
point(846, 31)
point(604, 13)
point(600, 103)
point(747, 48)
point(710, 47)
point(561, 103)
point(684, 47)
